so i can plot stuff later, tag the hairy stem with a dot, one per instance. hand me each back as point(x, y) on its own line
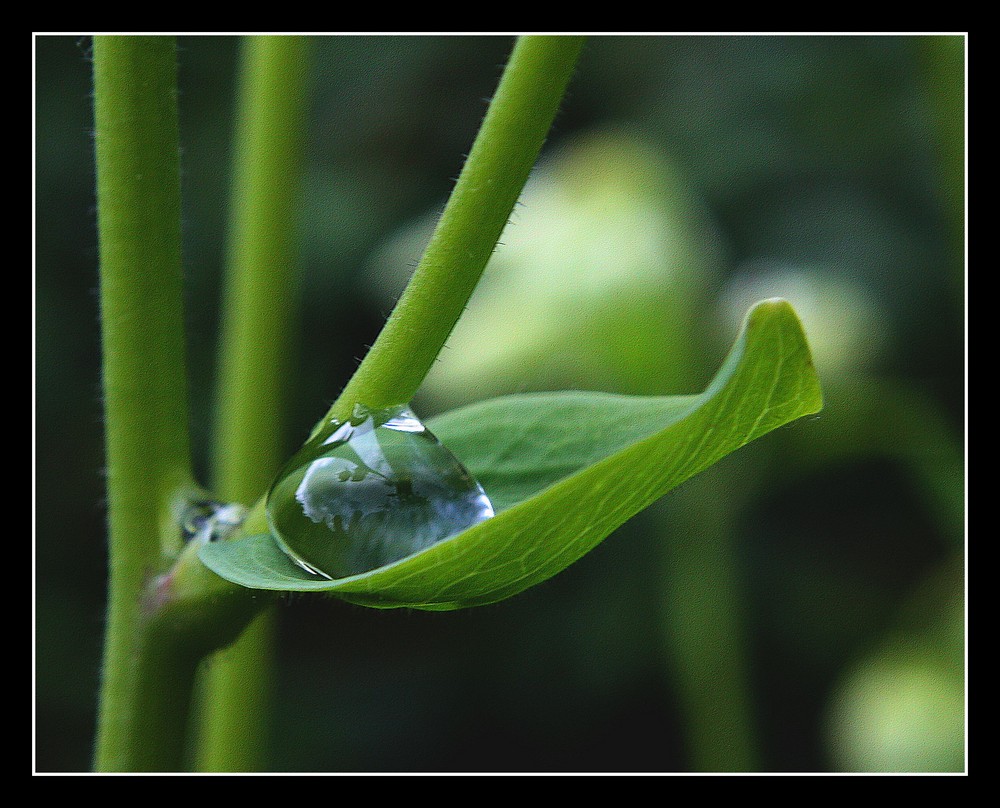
point(257, 314)
point(145, 390)
point(508, 143)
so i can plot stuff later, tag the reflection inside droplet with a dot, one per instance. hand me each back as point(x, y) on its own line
point(371, 491)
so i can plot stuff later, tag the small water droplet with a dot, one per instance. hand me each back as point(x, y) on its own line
point(208, 520)
point(371, 491)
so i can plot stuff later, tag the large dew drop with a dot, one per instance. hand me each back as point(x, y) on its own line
point(370, 491)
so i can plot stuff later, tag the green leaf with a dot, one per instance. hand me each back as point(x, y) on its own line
point(564, 470)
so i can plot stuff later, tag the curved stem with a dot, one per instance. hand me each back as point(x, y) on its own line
point(508, 143)
point(257, 314)
point(145, 390)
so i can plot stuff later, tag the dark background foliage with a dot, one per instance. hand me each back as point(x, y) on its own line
point(837, 156)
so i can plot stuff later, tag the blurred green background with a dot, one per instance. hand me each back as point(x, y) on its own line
point(799, 607)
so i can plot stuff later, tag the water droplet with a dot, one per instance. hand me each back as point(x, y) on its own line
point(208, 520)
point(371, 491)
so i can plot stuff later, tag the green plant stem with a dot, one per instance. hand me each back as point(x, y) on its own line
point(234, 701)
point(508, 143)
point(257, 316)
point(703, 620)
point(943, 61)
point(145, 391)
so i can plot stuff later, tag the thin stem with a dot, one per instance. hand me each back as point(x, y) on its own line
point(704, 621)
point(944, 66)
point(257, 315)
point(234, 700)
point(261, 273)
point(508, 143)
point(145, 391)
